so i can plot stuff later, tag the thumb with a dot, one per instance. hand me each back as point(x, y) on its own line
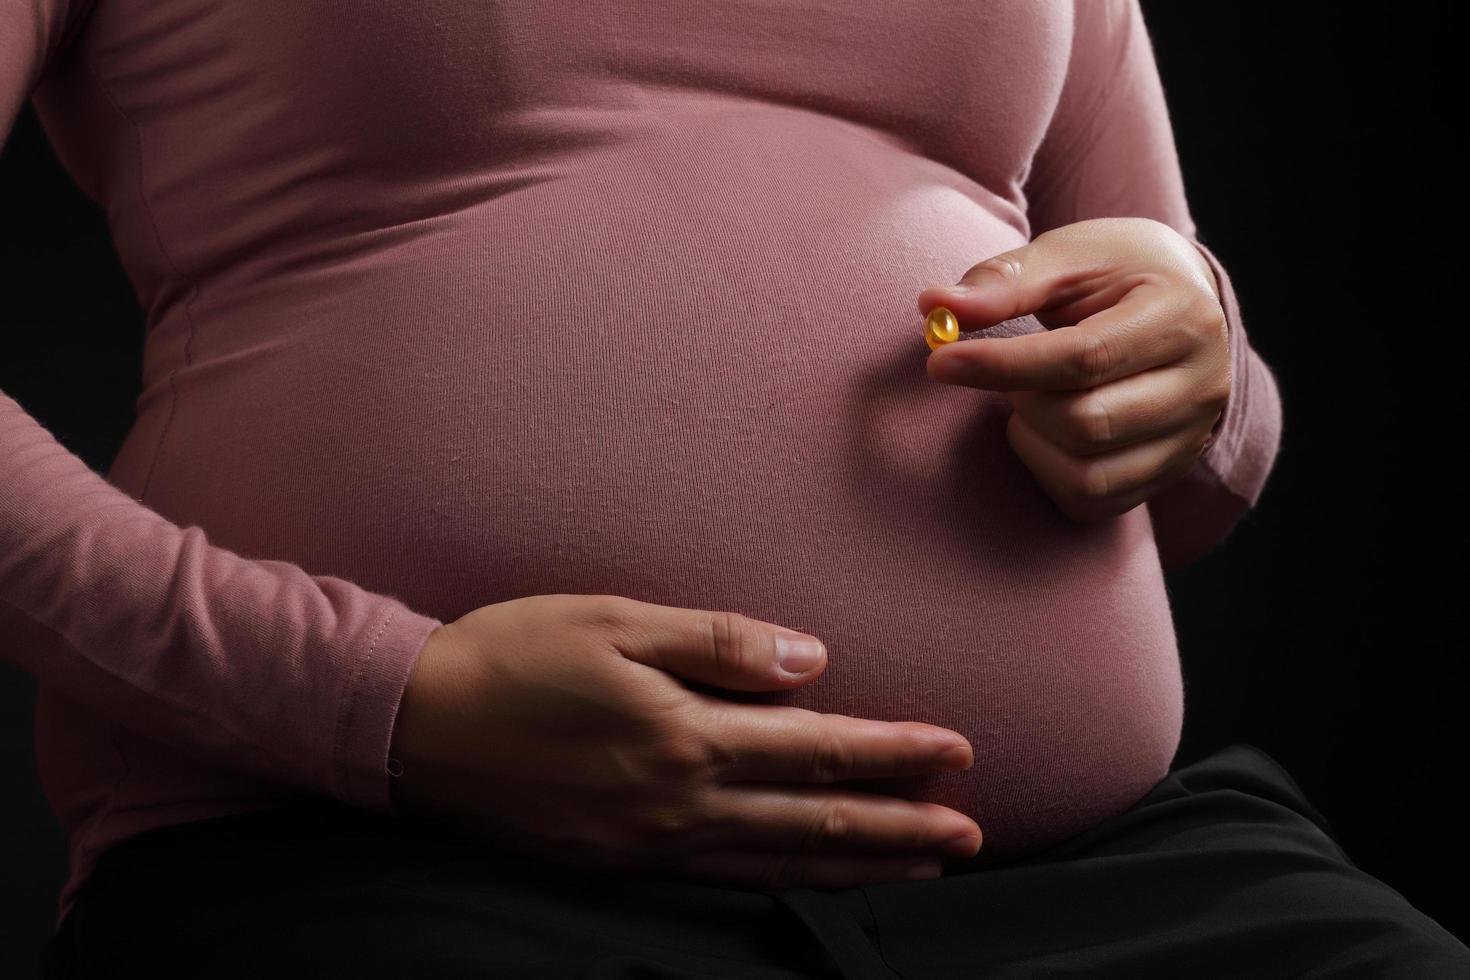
point(1003, 287)
point(1061, 277)
point(725, 649)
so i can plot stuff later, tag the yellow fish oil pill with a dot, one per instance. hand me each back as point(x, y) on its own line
point(940, 328)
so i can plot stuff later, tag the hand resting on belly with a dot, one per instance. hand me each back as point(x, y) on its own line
point(557, 726)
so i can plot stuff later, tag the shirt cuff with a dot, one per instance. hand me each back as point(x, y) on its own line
point(1246, 437)
point(360, 773)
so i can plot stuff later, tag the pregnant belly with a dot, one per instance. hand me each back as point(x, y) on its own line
point(717, 402)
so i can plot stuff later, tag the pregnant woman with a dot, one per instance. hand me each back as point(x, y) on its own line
point(523, 383)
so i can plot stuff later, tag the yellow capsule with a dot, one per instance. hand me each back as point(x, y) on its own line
point(940, 328)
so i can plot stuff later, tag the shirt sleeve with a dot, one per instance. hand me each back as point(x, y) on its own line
point(1109, 152)
point(253, 663)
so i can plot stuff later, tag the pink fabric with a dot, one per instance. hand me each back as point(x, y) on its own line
point(452, 302)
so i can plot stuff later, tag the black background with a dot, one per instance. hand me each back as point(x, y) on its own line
point(1327, 630)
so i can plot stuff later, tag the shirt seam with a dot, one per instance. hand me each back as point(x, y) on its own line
point(1071, 156)
point(173, 267)
point(344, 710)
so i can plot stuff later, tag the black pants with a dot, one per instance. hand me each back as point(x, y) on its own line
point(1223, 870)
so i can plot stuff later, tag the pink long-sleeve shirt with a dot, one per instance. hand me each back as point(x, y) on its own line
point(452, 302)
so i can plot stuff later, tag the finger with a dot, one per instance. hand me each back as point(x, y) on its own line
point(1142, 331)
point(774, 871)
point(717, 647)
point(783, 743)
point(1092, 488)
point(781, 817)
point(1145, 406)
point(1065, 271)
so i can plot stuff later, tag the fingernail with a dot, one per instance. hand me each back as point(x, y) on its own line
point(951, 369)
point(956, 757)
point(919, 872)
point(963, 846)
point(959, 288)
point(798, 654)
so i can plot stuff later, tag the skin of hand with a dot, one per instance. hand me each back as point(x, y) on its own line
point(1118, 397)
point(558, 726)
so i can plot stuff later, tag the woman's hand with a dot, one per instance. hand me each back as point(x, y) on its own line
point(1121, 394)
point(556, 725)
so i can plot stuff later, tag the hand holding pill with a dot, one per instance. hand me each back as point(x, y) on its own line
point(1126, 387)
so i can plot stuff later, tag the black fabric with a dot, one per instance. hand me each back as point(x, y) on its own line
point(1223, 869)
